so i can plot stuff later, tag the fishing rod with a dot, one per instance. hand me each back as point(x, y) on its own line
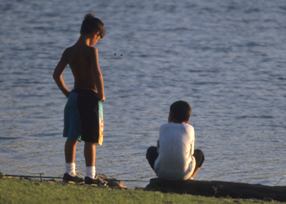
point(41, 177)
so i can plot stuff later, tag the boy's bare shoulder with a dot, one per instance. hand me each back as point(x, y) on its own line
point(66, 54)
point(93, 50)
point(69, 52)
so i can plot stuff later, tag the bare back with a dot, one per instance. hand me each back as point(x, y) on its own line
point(83, 63)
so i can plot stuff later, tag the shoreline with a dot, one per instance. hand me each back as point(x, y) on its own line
point(19, 184)
point(27, 191)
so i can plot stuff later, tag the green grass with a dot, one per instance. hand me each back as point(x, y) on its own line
point(24, 191)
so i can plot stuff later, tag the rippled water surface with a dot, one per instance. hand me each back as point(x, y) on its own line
point(227, 58)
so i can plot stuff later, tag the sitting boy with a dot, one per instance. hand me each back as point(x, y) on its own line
point(175, 158)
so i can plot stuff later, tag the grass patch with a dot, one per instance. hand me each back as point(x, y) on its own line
point(25, 191)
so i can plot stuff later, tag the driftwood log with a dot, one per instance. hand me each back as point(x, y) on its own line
point(219, 189)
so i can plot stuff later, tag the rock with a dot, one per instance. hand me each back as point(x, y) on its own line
point(103, 180)
point(219, 189)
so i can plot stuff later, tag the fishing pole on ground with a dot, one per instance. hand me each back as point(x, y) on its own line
point(42, 177)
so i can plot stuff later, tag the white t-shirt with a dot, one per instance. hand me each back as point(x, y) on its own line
point(176, 149)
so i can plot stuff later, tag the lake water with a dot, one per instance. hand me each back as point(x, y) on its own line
point(226, 57)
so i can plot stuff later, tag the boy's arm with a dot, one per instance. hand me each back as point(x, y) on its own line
point(58, 75)
point(99, 78)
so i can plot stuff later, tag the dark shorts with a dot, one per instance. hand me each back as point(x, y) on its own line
point(81, 116)
point(152, 154)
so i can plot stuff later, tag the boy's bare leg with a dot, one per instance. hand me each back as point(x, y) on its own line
point(90, 153)
point(90, 159)
point(70, 151)
point(70, 157)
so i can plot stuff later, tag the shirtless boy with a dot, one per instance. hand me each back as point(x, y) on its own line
point(81, 110)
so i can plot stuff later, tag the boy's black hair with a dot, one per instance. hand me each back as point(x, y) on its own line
point(91, 24)
point(180, 111)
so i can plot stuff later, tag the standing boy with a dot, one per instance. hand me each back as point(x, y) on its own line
point(81, 110)
point(175, 158)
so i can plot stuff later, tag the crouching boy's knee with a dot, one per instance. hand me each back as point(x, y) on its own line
point(151, 152)
point(151, 155)
point(200, 157)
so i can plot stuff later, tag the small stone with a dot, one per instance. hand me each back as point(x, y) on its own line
point(104, 181)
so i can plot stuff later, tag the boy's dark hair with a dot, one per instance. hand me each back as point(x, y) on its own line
point(91, 24)
point(180, 111)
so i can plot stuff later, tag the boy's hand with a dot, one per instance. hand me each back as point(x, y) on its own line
point(103, 99)
point(67, 94)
